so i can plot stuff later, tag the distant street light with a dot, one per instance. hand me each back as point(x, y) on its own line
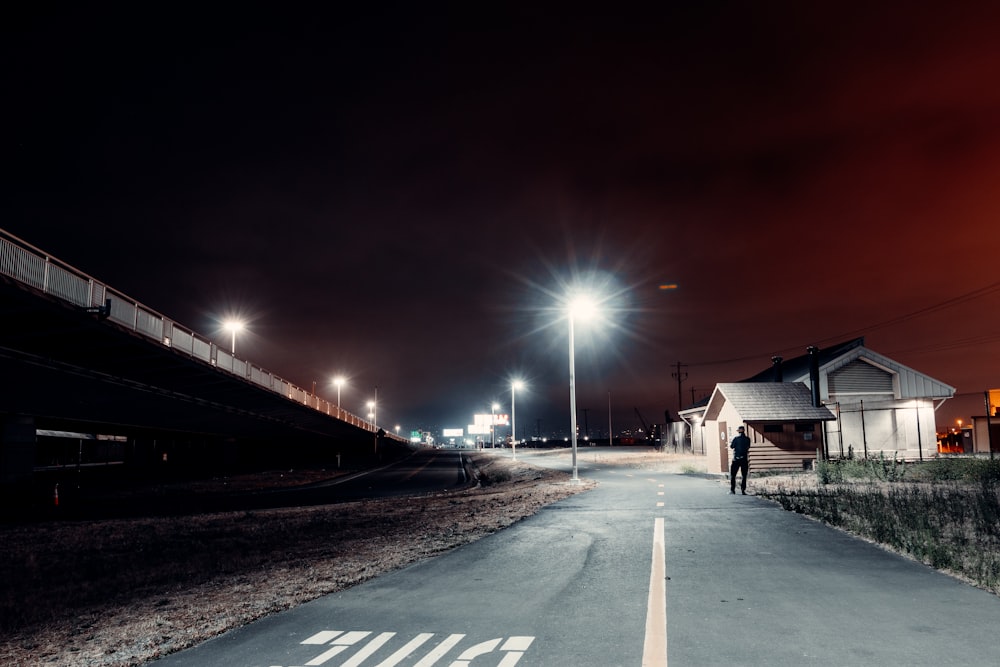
point(493, 425)
point(233, 326)
point(580, 307)
point(339, 382)
point(515, 385)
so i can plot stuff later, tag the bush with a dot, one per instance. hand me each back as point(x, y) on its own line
point(946, 524)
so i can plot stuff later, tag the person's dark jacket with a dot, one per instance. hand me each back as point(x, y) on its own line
point(740, 446)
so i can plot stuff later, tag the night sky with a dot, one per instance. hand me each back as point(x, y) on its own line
point(405, 194)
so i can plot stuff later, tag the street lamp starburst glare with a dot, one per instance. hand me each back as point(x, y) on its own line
point(339, 382)
point(234, 327)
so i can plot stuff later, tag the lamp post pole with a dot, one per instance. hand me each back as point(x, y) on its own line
point(611, 434)
point(373, 406)
point(493, 426)
point(572, 395)
point(233, 326)
point(515, 385)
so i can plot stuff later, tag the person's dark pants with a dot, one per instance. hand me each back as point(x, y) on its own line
point(742, 465)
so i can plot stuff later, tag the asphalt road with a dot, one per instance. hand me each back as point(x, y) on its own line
point(425, 471)
point(581, 584)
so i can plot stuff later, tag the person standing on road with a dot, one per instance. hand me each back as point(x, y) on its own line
point(741, 461)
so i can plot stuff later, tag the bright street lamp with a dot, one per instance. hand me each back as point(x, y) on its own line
point(515, 385)
point(233, 326)
point(339, 382)
point(582, 307)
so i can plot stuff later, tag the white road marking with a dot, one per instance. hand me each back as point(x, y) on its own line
point(517, 644)
point(654, 649)
point(341, 644)
point(470, 654)
point(325, 655)
point(513, 649)
point(442, 648)
point(659, 504)
point(372, 646)
point(405, 652)
point(516, 647)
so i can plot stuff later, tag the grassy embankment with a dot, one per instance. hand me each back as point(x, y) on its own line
point(944, 512)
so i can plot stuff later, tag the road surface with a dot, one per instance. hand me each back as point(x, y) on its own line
point(425, 471)
point(646, 569)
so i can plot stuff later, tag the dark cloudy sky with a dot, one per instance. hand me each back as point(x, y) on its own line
point(403, 193)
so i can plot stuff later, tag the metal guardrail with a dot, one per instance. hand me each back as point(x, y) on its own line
point(34, 267)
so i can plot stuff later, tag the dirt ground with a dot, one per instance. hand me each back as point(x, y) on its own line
point(366, 539)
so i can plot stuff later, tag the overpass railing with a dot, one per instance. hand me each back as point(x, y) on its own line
point(33, 267)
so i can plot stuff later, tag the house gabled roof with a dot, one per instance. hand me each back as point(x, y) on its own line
point(767, 402)
point(912, 383)
point(797, 368)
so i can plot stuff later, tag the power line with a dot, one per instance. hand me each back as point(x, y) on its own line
point(950, 303)
point(944, 346)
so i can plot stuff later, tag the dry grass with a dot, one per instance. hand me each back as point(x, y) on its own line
point(948, 517)
point(122, 592)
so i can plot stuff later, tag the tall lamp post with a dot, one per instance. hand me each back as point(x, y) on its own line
point(582, 307)
point(611, 434)
point(372, 406)
point(514, 386)
point(338, 382)
point(233, 326)
point(493, 425)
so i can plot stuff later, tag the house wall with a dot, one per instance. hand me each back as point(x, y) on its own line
point(698, 437)
point(783, 446)
point(981, 436)
point(787, 448)
point(717, 440)
point(873, 425)
point(676, 437)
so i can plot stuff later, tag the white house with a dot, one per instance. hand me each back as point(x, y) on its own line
point(867, 404)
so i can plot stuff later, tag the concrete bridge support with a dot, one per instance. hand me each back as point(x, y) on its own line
point(17, 450)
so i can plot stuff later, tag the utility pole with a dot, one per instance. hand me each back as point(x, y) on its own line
point(680, 376)
point(611, 434)
point(586, 424)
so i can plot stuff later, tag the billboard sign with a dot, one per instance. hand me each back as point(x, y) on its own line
point(497, 419)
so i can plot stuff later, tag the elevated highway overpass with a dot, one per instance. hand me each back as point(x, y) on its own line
point(78, 356)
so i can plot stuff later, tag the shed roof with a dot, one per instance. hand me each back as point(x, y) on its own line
point(767, 401)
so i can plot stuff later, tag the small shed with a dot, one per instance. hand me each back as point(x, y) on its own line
point(784, 427)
